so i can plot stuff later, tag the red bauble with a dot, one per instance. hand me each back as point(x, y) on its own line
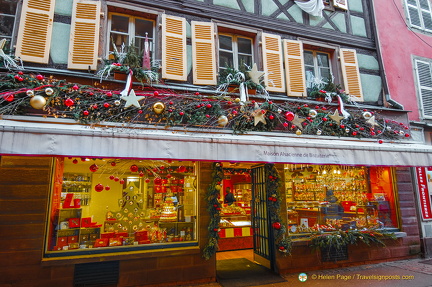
point(122, 181)
point(281, 248)
point(111, 177)
point(271, 117)
point(113, 163)
point(277, 225)
point(116, 179)
point(86, 113)
point(109, 94)
point(215, 229)
point(106, 105)
point(75, 161)
point(107, 187)
point(39, 77)
point(69, 102)
point(75, 87)
point(99, 187)
point(380, 141)
point(157, 181)
point(141, 174)
point(133, 168)
point(8, 98)
point(156, 93)
point(289, 116)
point(285, 124)
point(208, 106)
point(93, 168)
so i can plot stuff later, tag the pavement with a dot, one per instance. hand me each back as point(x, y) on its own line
point(404, 273)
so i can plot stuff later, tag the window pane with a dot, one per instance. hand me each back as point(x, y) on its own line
point(8, 7)
point(412, 2)
point(243, 59)
point(226, 59)
point(308, 58)
point(225, 42)
point(424, 4)
point(325, 73)
point(427, 20)
point(120, 23)
point(310, 76)
point(116, 203)
point(414, 16)
point(323, 60)
point(6, 25)
point(142, 27)
point(244, 46)
point(119, 40)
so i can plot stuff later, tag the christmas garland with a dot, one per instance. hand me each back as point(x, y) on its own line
point(338, 240)
point(22, 94)
point(283, 242)
point(214, 209)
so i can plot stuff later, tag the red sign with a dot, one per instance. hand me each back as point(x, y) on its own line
point(424, 196)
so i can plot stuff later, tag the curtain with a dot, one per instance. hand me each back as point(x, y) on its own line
point(313, 7)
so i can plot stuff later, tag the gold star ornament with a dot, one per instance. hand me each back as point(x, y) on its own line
point(336, 117)
point(258, 115)
point(298, 121)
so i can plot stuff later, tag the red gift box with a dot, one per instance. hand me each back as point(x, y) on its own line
point(62, 241)
point(107, 235)
point(74, 222)
point(102, 242)
point(86, 222)
point(72, 239)
point(121, 234)
point(115, 242)
point(141, 235)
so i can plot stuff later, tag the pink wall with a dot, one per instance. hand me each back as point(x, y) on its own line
point(398, 44)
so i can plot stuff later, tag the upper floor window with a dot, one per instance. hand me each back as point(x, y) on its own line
point(7, 21)
point(317, 66)
point(420, 14)
point(127, 30)
point(235, 52)
point(424, 86)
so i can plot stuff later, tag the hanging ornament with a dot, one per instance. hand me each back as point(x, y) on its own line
point(30, 93)
point(319, 132)
point(277, 225)
point(93, 168)
point(367, 115)
point(132, 99)
point(49, 91)
point(313, 113)
point(298, 132)
point(99, 187)
point(289, 116)
point(69, 102)
point(107, 187)
point(117, 103)
point(133, 168)
point(298, 121)
point(37, 102)
point(9, 98)
point(255, 75)
point(158, 108)
point(222, 121)
point(157, 181)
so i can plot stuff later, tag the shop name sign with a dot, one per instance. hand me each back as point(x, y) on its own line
point(424, 195)
point(298, 154)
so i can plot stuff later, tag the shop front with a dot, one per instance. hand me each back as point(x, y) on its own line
point(138, 205)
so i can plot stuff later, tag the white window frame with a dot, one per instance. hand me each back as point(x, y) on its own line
point(234, 50)
point(421, 98)
point(131, 32)
point(420, 12)
point(316, 66)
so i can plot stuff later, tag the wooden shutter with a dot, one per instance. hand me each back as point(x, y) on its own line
point(272, 59)
point(83, 44)
point(35, 29)
point(351, 74)
point(174, 48)
point(424, 78)
point(294, 68)
point(203, 51)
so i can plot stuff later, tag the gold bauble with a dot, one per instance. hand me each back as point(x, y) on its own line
point(38, 102)
point(218, 187)
point(222, 121)
point(298, 132)
point(237, 100)
point(158, 108)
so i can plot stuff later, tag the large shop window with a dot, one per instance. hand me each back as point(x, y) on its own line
point(420, 14)
point(115, 204)
point(335, 197)
point(127, 30)
point(7, 21)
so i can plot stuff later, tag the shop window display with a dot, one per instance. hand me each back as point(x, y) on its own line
point(113, 203)
point(334, 197)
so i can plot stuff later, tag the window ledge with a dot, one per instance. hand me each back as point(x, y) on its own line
point(126, 255)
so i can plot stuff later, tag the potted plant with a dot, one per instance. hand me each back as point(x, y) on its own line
point(326, 90)
point(232, 79)
point(129, 58)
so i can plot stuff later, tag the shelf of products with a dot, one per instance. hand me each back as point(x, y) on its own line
point(79, 185)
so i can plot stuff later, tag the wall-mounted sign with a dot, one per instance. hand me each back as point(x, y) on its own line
point(424, 180)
